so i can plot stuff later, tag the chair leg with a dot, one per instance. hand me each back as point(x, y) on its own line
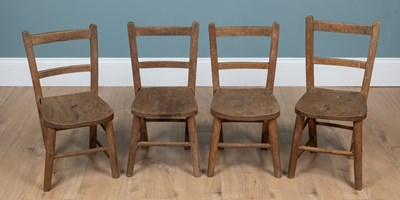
point(312, 132)
point(273, 137)
point(92, 136)
point(186, 135)
point(134, 141)
point(50, 144)
point(298, 130)
point(194, 145)
point(212, 158)
point(143, 132)
point(265, 134)
point(358, 154)
point(221, 137)
point(112, 149)
point(44, 131)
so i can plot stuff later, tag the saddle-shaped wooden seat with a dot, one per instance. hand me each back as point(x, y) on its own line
point(75, 110)
point(164, 102)
point(244, 105)
point(332, 105)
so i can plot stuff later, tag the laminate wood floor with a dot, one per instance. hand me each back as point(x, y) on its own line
point(166, 172)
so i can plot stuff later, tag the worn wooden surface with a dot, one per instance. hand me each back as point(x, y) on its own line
point(244, 105)
point(333, 104)
point(326, 104)
point(167, 173)
point(164, 102)
point(74, 110)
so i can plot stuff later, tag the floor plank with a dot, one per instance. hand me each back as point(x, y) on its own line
point(166, 173)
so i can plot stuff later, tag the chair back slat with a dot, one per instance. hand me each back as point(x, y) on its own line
point(248, 31)
point(340, 62)
point(163, 64)
point(191, 31)
point(64, 70)
point(163, 31)
point(243, 31)
point(336, 27)
point(243, 65)
point(59, 36)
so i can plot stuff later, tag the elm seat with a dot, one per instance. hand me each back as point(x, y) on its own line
point(244, 105)
point(333, 105)
point(75, 110)
point(164, 102)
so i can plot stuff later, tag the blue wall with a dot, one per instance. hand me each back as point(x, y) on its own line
point(111, 16)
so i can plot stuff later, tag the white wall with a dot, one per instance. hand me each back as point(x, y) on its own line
point(117, 72)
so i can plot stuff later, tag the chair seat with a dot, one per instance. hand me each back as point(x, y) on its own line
point(332, 105)
point(75, 110)
point(244, 105)
point(164, 102)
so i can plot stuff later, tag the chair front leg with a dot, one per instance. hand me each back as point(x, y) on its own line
point(112, 149)
point(50, 144)
point(298, 130)
point(134, 140)
point(194, 145)
point(357, 133)
point(212, 158)
point(274, 141)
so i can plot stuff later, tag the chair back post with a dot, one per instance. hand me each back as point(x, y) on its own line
point(214, 56)
point(273, 55)
point(30, 54)
point(134, 56)
point(194, 44)
point(94, 59)
point(37, 88)
point(309, 52)
point(371, 57)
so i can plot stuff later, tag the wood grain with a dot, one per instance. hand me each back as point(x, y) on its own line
point(163, 104)
point(244, 105)
point(326, 104)
point(57, 113)
point(167, 173)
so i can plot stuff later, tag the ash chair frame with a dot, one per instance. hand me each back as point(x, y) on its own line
point(163, 107)
point(72, 110)
point(353, 105)
point(225, 109)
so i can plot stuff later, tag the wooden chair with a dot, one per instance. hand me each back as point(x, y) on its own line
point(73, 110)
point(326, 104)
point(244, 105)
point(164, 103)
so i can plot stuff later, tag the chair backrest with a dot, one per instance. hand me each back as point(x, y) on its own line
point(314, 25)
point(137, 31)
point(248, 31)
point(44, 38)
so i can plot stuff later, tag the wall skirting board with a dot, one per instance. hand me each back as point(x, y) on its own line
point(117, 72)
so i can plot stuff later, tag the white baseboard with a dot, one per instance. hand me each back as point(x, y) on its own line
point(117, 72)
